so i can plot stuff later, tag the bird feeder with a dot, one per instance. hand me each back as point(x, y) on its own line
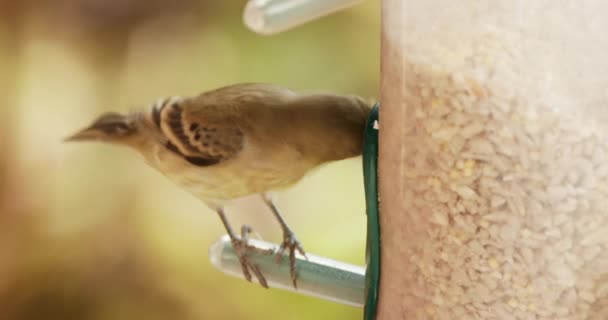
point(493, 164)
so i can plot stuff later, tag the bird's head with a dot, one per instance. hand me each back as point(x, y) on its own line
point(110, 127)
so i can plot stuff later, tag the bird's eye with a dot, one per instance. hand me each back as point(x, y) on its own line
point(120, 128)
point(114, 128)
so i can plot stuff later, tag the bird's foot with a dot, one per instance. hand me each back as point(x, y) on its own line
point(290, 242)
point(242, 249)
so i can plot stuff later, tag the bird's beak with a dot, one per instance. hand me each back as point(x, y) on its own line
point(86, 134)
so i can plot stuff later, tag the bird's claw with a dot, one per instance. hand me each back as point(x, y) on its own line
point(290, 242)
point(242, 249)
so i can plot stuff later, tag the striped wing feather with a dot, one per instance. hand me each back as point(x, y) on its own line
point(202, 140)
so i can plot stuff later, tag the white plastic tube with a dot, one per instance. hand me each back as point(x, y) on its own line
point(318, 276)
point(273, 16)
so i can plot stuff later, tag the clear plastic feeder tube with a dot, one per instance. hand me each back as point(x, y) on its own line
point(273, 16)
point(317, 276)
point(494, 149)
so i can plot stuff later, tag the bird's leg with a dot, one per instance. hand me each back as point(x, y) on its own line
point(289, 240)
point(242, 249)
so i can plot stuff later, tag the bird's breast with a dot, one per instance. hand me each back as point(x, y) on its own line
point(235, 178)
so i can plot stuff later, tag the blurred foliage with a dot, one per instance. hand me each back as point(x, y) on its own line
point(90, 232)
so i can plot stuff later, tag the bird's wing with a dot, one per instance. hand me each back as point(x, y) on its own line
point(201, 134)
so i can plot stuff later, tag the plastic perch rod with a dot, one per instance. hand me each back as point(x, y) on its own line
point(318, 276)
point(273, 16)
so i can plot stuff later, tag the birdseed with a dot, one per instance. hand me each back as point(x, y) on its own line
point(508, 196)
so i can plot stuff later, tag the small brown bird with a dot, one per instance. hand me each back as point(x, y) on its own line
point(240, 140)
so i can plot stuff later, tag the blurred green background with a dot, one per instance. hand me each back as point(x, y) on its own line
point(88, 231)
